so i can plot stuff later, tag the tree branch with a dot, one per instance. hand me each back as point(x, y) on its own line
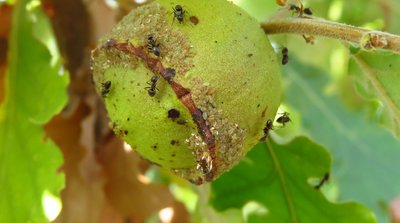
point(366, 39)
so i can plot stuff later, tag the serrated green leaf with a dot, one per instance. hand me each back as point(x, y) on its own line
point(35, 91)
point(382, 73)
point(365, 155)
point(274, 179)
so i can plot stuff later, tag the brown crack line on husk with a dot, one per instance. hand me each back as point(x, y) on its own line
point(183, 94)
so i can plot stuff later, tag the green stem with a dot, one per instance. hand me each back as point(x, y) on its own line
point(367, 39)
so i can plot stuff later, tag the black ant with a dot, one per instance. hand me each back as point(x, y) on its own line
point(152, 90)
point(283, 119)
point(179, 13)
point(324, 179)
point(300, 9)
point(105, 88)
point(285, 56)
point(153, 46)
point(268, 126)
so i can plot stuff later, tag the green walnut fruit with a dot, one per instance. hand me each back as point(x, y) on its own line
point(189, 85)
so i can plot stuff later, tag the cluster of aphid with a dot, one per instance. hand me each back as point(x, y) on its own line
point(205, 165)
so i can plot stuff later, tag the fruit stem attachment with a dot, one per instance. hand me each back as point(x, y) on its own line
point(367, 39)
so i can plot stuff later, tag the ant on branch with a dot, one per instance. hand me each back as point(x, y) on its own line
point(299, 8)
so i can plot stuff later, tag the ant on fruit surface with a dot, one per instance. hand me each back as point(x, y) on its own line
point(153, 46)
point(268, 126)
point(152, 89)
point(105, 88)
point(179, 13)
point(285, 56)
point(283, 119)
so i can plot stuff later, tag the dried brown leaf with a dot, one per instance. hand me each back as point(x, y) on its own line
point(395, 210)
point(5, 20)
point(103, 18)
point(126, 188)
point(83, 196)
point(70, 21)
point(180, 213)
point(5, 27)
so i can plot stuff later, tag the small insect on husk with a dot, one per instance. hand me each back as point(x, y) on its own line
point(153, 46)
point(152, 89)
point(105, 88)
point(179, 13)
point(268, 126)
point(300, 10)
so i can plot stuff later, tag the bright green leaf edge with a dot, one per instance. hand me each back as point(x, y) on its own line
point(35, 91)
point(365, 155)
point(276, 176)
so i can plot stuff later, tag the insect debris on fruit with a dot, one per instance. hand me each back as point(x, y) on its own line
point(285, 56)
